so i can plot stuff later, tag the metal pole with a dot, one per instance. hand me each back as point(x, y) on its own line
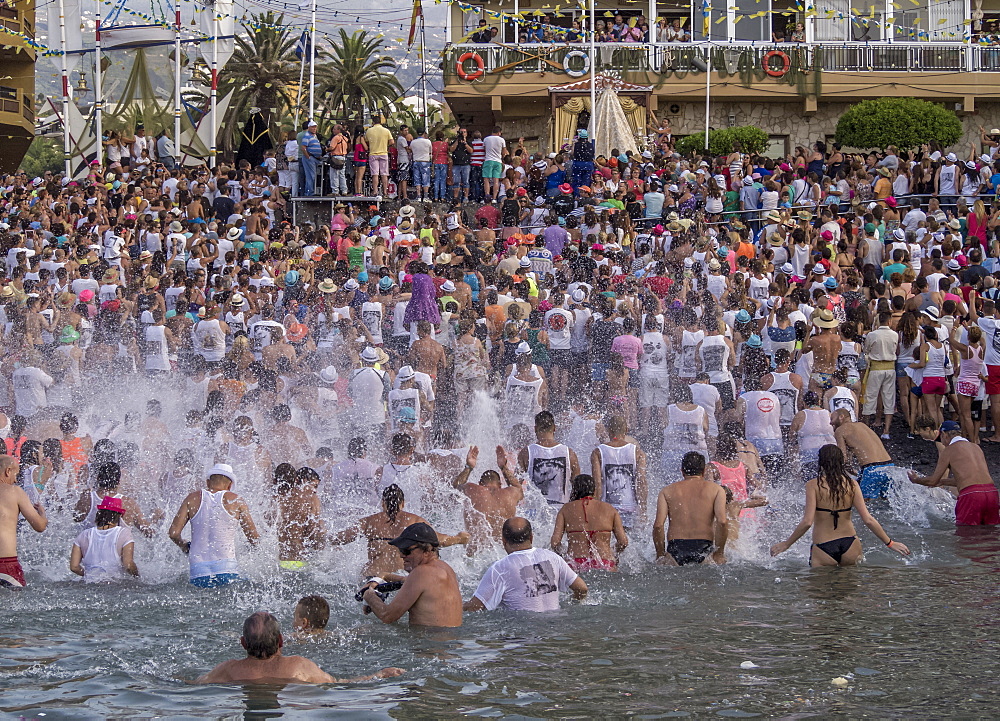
point(708, 89)
point(177, 78)
point(423, 71)
point(214, 149)
point(312, 64)
point(98, 88)
point(65, 89)
point(298, 96)
point(593, 73)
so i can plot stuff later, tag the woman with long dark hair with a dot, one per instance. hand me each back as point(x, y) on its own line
point(589, 524)
point(830, 498)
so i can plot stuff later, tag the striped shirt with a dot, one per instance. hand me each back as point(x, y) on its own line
point(478, 154)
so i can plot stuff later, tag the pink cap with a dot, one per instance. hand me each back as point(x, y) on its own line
point(826, 235)
point(86, 295)
point(658, 228)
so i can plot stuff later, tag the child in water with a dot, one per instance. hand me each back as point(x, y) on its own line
point(734, 508)
point(312, 613)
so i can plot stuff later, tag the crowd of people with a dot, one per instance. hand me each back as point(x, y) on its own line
point(664, 341)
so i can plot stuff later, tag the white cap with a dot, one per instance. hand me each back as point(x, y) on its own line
point(522, 348)
point(222, 469)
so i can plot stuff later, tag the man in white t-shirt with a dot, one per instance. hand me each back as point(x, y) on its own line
point(528, 579)
point(493, 149)
point(30, 383)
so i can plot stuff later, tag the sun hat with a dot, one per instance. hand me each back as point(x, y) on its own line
point(931, 312)
point(327, 286)
point(222, 469)
point(385, 284)
point(449, 287)
point(954, 265)
point(524, 263)
point(407, 211)
point(566, 188)
point(406, 373)
point(351, 284)
point(787, 269)
point(69, 335)
point(86, 295)
point(742, 316)
point(176, 227)
point(823, 318)
point(522, 348)
point(297, 332)
point(233, 234)
point(369, 355)
point(578, 295)
point(291, 277)
point(110, 503)
point(830, 283)
point(329, 375)
point(754, 341)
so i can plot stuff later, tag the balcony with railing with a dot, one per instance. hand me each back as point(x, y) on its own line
point(16, 108)
point(19, 25)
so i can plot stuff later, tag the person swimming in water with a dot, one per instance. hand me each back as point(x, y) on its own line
point(830, 498)
point(696, 511)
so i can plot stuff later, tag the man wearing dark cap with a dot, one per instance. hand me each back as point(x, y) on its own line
point(978, 502)
point(430, 593)
point(264, 663)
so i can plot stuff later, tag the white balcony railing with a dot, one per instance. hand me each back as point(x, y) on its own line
point(732, 57)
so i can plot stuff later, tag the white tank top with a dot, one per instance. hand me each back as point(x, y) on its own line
point(936, 359)
point(763, 415)
point(155, 349)
point(213, 537)
point(800, 259)
point(685, 430)
point(579, 332)
point(715, 359)
point(787, 394)
point(521, 401)
point(816, 431)
point(102, 562)
point(758, 288)
point(706, 396)
point(843, 398)
point(210, 340)
point(236, 322)
point(687, 361)
point(366, 386)
point(848, 357)
point(619, 474)
point(549, 470)
point(371, 316)
point(654, 354)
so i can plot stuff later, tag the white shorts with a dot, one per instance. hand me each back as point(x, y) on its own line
point(654, 389)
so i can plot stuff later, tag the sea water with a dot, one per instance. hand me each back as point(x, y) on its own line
point(913, 637)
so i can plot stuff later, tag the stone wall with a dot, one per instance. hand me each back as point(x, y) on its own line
point(789, 120)
point(535, 131)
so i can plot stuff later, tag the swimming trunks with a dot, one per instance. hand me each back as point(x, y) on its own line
point(875, 480)
point(292, 565)
point(214, 581)
point(11, 573)
point(593, 564)
point(689, 550)
point(977, 505)
point(823, 380)
point(836, 548)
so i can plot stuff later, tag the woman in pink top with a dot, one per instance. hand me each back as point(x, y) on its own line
point(977, 222)
point(629, 347)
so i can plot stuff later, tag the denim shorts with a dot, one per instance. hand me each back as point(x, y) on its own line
point(421, 173)
point(460, 175)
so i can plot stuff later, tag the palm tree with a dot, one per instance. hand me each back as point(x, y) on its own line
point(263, 72)
point(357, 76)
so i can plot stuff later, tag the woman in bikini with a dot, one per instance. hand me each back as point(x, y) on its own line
point(588, 525)
point(830, 498)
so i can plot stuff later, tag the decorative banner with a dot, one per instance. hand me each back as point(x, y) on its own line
point(74, 32)
point(215, 16)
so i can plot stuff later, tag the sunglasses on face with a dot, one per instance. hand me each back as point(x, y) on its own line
point(404, 552)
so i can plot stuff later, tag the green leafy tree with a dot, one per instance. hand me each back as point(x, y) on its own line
point(357, 76)
point(752, 140)
point(903, 122)
point(263, 72)
point(43, 154)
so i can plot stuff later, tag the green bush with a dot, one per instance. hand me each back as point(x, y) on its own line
point(752, 139)
point(904, 122)
point(43, 154)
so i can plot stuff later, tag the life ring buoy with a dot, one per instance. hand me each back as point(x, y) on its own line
point(475, 74)
point(774, 72)
point(582, 71)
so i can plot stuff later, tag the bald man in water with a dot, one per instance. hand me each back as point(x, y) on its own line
point(14, 503)
point(265, 663)
point(978, 501)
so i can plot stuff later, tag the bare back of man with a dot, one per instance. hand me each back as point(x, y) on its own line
point(278, 668)
point(492, 504)
point(825, 347)
point(695, 510)
point(857, 438)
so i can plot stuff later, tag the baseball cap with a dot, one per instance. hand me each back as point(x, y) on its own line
point(413, 534)
point(950, 426)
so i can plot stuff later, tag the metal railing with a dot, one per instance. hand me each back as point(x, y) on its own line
point(14, 100)
point(508, 59)
point(15, 20)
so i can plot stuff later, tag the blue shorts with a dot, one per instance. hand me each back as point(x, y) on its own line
point(219, 579)
point(875, 480)
point(599, 371)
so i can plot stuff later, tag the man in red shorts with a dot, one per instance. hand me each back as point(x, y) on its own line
point(13, 504)
point(978, 502)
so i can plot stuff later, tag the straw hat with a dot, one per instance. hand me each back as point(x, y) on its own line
point(327, 286)
point(824, 319)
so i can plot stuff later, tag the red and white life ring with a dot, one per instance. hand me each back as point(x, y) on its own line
point(774, 72)
point(475, 74)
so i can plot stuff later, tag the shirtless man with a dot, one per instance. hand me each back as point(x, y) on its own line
point(286, 440)
point(855, 437)
point(825, 347)
point(978, 503)
point(13, 504)
point(380, 528)
point(265, 663)
point(492, 503)
point(426, 354)
point(696, 509)
point(299, 526)
point(279, 348)
point(430, 593)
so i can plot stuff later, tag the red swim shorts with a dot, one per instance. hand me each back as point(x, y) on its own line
point(978, 505)
point(11, 573)
point(993, 380)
